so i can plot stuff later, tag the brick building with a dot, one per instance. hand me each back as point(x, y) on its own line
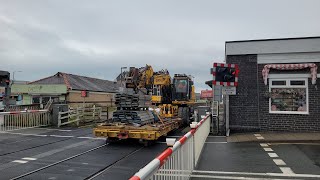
point(278, 89)
point(99, 92)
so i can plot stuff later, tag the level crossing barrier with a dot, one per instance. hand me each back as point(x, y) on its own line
point(15, 120)
point(178, 162)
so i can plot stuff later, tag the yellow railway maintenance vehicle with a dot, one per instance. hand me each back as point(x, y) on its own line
point(171, 101)
point(146, 134)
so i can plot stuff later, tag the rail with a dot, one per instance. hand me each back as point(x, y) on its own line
point(178, 161)
point(79, 114)
point(16, 120)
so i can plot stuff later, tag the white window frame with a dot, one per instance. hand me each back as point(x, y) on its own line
point(281, 78)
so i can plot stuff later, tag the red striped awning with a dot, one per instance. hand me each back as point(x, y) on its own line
point(313, 69)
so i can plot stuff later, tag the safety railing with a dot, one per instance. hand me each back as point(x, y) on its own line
point(79, 114)
point(16, 120)
point(178, 161)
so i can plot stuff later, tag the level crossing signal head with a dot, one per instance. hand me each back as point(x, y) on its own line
point(225, 74)
point(4, 78)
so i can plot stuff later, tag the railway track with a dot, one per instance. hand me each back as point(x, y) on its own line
point(91, 176)
point(41, 145)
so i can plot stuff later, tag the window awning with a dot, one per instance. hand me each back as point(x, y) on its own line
point(313, 70)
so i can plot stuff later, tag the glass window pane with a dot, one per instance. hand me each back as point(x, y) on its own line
point(288, 99)
point(297, 83)
point(279, 83)
point(35, 100)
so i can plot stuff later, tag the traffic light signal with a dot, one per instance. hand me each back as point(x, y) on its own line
point(225, 74)
point(4, 79)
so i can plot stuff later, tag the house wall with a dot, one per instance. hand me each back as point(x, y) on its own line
point(244, 106)
point(289, 122)
point(293, 45)
point(249, 109)
point(74, 99)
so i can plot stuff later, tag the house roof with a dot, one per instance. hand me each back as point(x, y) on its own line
point(77, 82)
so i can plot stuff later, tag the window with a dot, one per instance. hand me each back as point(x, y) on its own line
point(288, 96)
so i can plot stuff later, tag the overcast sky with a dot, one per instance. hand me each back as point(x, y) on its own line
point(95, 38)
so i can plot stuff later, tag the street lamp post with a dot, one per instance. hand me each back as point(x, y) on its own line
point(13, 75)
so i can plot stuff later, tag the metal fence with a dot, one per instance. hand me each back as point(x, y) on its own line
point(79, 114)
point(16, 120)
point(24, 107)
point(178, 162)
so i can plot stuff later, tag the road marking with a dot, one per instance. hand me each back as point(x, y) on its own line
point(58, 162)
point(54, 151)
point(20, 161)
point(260, 137)
point(257, 135)
point(54, 135)
point(227, 177)
point(287, 170)
point(29, 159)
point(279, 162)
point(273, 155)
point(61, 136)
point(91, 138)
point(173, 136)
point(286, 174)
point(267, 149)
point(49, 129)
point(264, 145)
point(23, 134)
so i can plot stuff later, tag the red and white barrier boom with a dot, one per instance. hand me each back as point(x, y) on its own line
point(167, 157)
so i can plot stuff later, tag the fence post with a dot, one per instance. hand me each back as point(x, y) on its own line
point(94, 109)
point(59, 119)
point(78, 117)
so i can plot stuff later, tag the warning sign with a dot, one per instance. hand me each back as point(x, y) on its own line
point(229, 90)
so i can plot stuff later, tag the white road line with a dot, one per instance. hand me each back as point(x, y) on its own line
point(260, 137)
point(287, 170)
point(173, 136)
point(287, 174)
point(267, 149)
point(228, 177)
point(257, 135)
point(49, 129)
point(161, 142)
point(91, 138)
point(29, 159)
point(23, 134)
point(53, 135)
point(273, 155)
point(279, 162)
point(20, 161)
point(264, 145)
point(61, 136)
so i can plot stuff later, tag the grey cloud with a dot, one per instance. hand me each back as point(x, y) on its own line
point(97, 38)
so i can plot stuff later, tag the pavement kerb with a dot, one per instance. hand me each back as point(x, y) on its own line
point(275, 137)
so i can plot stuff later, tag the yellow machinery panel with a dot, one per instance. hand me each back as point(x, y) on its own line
point(168, 111)
point(156, 99)
point(162, 79)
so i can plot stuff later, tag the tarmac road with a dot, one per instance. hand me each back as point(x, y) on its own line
point(69, 154)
